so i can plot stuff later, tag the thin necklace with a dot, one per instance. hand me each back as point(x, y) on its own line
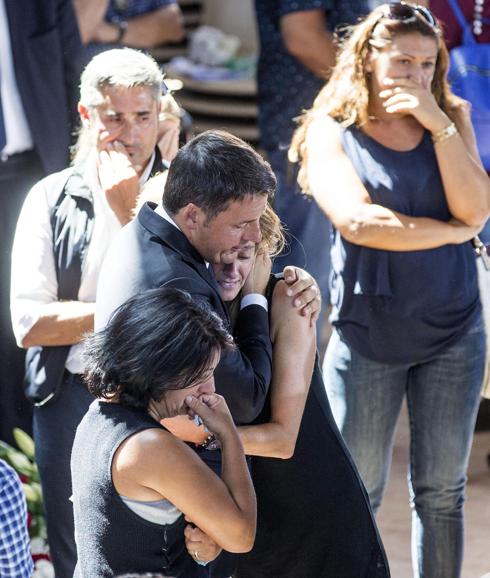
point(478, 17)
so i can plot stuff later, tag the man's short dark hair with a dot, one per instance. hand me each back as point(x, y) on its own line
point(158, 340)
point(214, 169)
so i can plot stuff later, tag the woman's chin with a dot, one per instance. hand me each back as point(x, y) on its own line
point(230, 295)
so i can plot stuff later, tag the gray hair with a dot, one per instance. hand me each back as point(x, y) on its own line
point(124, 67)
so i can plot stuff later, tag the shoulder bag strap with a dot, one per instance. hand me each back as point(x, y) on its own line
point(468, 37)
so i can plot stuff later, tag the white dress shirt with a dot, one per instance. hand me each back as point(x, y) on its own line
point(33, 282)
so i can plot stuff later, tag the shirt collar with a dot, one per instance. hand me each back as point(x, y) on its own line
point(160, 210)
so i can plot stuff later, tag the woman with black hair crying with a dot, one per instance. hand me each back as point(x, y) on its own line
point(134, 483)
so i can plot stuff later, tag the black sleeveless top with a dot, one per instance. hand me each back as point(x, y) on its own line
point(111, 539)
point(402, 306)
point(313, 514)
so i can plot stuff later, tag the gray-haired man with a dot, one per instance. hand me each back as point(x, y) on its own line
point(66, 225)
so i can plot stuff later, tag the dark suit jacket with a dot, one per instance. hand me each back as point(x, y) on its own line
point(47, 56)
point(151, 252)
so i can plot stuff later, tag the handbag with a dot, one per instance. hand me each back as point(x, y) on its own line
point(469, 76)
point(483, 268)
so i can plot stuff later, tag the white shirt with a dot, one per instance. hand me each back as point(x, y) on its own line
point(33, 282)
point(17, 130)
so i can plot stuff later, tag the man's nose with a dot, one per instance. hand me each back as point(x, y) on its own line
point(129, 132)
point(253, 233)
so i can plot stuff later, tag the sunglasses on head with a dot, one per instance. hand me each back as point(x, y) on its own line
point(409, 13)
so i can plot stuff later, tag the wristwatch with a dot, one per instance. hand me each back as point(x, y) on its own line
point(211, 443)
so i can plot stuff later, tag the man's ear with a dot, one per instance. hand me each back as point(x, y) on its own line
point(84, 114)
point(192, 216)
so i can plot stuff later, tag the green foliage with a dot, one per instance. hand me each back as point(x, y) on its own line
point(22, 460)
point(24, 443)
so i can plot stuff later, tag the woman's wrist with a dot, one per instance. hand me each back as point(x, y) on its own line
point(445, 133)
point(438, 124)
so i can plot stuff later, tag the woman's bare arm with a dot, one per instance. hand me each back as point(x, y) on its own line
point(466, 184)
point(293, 359)
point(153, 464)
point(344, 199)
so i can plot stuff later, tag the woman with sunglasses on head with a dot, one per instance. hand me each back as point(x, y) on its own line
point(313, 515)
point(389, 155)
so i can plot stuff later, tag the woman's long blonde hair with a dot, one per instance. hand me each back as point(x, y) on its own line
point(345, 97)
point(273, 240)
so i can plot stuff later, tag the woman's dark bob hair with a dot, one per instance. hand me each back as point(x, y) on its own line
point(158, 340)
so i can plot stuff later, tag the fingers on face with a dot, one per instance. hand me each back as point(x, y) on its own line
point(400, 101)
point(388, 92)
point(403, 81)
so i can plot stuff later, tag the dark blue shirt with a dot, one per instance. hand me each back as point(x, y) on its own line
point(285, 86)
point(124, 9)
point(402, 306)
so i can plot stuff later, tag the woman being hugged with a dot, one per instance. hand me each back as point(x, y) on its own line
point(134, 483)
point(311, 504)
point(390, 156)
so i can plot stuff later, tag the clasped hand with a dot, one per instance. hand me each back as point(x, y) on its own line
point(118, 177)
point(407, 96)
point(213, 412)
point(303, 289)
point(199, 545)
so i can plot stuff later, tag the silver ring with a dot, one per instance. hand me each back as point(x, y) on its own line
point(196, 556)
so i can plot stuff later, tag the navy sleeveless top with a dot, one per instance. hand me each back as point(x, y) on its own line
point(393, 306)
point(111, 538)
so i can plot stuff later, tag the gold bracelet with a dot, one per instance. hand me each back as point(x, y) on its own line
point(447, 132)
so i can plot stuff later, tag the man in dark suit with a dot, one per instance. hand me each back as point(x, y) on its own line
point(39, 68)
point(216, 190)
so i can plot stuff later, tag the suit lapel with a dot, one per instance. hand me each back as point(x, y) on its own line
point(172, 237)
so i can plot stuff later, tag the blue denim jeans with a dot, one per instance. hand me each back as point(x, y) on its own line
point(442, 395)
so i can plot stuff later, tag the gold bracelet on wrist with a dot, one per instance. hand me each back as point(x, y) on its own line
point(445, 133)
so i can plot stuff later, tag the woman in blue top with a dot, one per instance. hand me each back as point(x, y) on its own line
point(389, 155)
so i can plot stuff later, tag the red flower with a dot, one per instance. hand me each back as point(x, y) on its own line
point(37, 557)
